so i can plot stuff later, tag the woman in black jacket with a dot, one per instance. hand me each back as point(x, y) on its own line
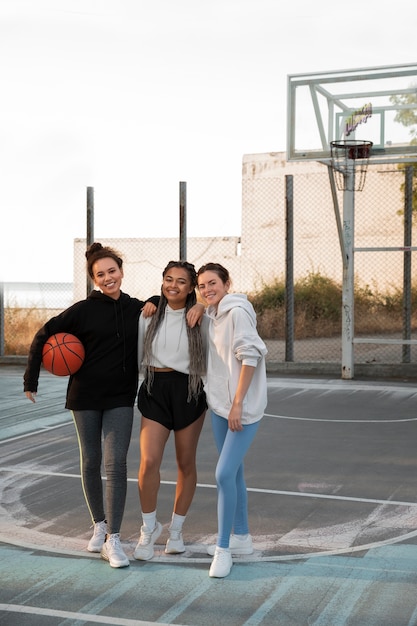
point(102, 393)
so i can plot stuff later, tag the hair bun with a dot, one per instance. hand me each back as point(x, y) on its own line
point(95, 247)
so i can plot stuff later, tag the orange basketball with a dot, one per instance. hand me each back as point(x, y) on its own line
point(63, 354)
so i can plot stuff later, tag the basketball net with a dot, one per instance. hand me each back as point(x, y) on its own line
point(350, 163)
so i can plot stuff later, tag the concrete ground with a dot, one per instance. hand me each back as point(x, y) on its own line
point(333, 512)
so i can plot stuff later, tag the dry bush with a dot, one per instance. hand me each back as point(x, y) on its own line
point(382, 313)
point(271, 325)
point(318, 309)
point(20, 326)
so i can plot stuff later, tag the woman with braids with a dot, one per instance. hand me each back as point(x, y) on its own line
point(171, 397)
point(101, 395)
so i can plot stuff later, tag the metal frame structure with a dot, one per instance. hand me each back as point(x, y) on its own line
point(321, 102)
point(337, 114)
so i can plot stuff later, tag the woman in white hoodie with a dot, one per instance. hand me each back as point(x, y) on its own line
point(237, 396)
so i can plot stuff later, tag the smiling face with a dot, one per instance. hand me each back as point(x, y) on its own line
point(176, 286)
point(211, 287)
point(107, 276)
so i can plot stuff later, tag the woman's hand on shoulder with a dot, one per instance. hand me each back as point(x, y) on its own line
point(149, 309)
point(195, 314)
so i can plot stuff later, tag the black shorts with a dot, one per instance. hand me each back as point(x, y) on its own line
point(167, 402)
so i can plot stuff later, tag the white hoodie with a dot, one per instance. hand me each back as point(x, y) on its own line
point(170, 344)
point(233, 341)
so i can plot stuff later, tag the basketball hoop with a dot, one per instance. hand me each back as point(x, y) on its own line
point(350, 163)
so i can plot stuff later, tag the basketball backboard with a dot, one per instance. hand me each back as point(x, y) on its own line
point(377, 104)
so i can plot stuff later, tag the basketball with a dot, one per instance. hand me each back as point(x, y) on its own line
point(63, 354)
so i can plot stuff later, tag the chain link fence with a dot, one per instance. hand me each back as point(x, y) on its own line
point(380, 246)
point(258, 259)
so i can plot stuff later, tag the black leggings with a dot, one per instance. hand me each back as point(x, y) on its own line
point(116, 427)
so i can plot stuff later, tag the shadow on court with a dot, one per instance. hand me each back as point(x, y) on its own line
point(333, 513)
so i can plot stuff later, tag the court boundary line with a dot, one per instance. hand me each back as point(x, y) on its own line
point(85, 617)
point(341, 421)
point(274, 492)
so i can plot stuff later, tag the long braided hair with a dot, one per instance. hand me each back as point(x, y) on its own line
point(195, 342)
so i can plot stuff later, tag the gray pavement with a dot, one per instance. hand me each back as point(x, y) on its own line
point(333, 510)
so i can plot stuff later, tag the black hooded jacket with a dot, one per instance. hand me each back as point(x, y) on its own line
point(108, 329)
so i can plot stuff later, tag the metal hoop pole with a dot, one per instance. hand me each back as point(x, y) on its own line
point(348, 284)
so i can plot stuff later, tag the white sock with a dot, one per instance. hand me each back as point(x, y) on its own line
point(176, 522)
point(149, 520)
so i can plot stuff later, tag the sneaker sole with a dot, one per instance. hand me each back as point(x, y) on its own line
point(95, 550)
point(213, 575)
point(174, 551)
point(106, 558)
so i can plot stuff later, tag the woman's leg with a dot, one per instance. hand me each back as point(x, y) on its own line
point(88, 425)
point(117, 432)
point(153, 437)
point(186, 440)
point(241, 521)
point(232, 498)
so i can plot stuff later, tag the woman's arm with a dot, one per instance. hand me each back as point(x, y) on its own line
point(235, 414)
point(149, 309)
point(150, 306)
point(195, 314)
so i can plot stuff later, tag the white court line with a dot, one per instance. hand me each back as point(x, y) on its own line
point(345, 385)
point(256, 557)
point(274, 492)
point(282, 417)
point(35, 432)
point(339, 421)
point(338, 551)
point(85, 617)
point(341, 385)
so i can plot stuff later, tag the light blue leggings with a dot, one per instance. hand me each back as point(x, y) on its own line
point(232, 498)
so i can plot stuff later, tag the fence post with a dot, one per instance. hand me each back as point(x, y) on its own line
point(348, 325)
point(2, 316)
point(90, 228)
point(408, 221)
point(183, 221)
point(289, 267)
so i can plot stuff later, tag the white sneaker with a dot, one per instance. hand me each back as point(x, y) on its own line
point(112, 551)
point(99, 537)
point(237, 546)
point(175, 543)
point(221, 563)
point(144, 549)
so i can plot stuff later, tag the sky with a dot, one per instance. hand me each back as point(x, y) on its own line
point(131, 97)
